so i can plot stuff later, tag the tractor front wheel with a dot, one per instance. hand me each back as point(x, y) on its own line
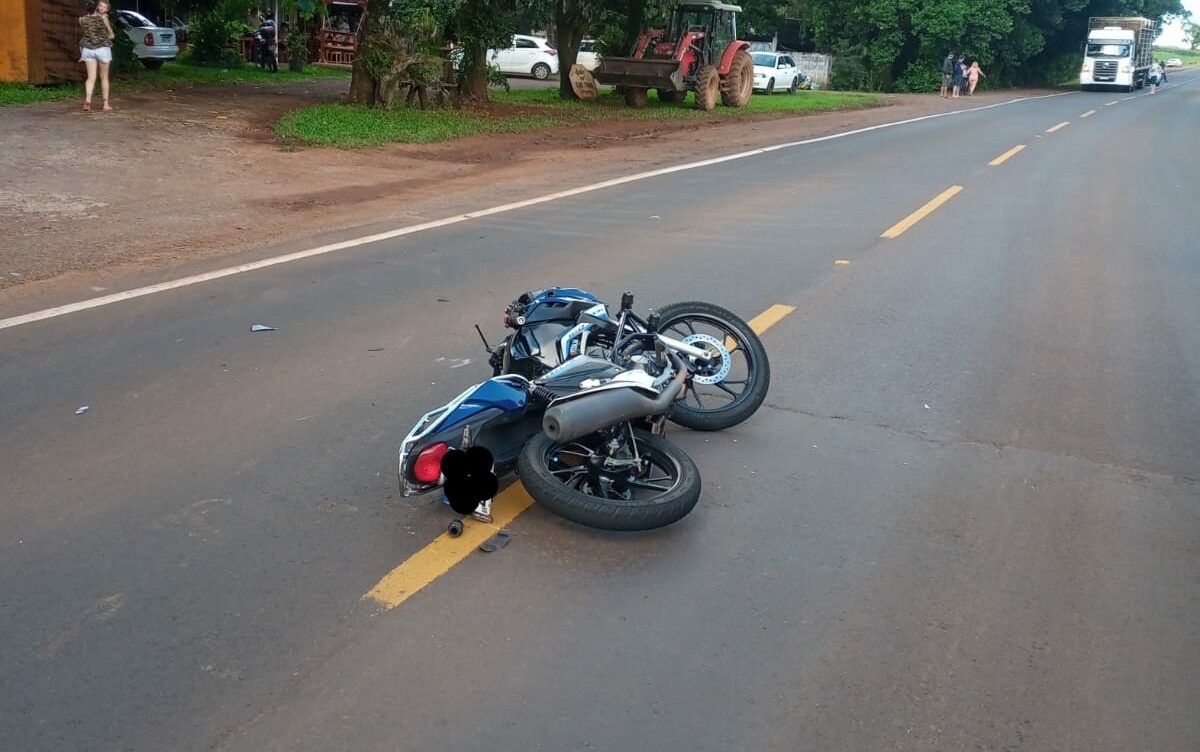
point(738, 85)
point(635, 97)
point(708, 87)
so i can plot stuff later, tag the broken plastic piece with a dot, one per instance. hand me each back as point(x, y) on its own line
point(82, 410)
point(495, 543)
point(261, 328)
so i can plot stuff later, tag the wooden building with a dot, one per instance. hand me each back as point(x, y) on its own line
point(39, 41)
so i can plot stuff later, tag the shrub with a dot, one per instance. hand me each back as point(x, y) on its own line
point(920, 76)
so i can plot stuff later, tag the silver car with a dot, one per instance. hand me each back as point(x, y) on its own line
point(153, 44)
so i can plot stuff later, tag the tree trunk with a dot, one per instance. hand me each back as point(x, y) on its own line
point(473, 85)
point(569, 26)
point(635, 18)
point(362, 86)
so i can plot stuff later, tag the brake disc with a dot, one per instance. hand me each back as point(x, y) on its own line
point(709, 375)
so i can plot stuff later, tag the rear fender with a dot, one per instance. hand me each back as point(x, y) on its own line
point(727, 59)
point(484, 409)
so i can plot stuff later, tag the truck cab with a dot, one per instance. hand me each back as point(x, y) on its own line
point(1117, 54)
point(1108, 60)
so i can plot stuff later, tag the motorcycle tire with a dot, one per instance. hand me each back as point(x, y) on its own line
point(758, 376)
point(626, 515)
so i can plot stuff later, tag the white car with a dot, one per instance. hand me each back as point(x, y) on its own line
point(153, 44)
point(529, 56)
point(774, 71)
point(1174, 63)
point(587, 56)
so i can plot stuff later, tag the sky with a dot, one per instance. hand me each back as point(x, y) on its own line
point(1172, 33)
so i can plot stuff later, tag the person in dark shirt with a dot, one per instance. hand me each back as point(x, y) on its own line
point(95, 50)
point(947, 74)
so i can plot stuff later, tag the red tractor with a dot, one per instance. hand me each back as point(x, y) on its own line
point(698, 51)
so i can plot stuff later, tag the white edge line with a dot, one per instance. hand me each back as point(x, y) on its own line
point(139, 292)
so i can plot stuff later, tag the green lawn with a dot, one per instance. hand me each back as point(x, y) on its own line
point(352, 126)
point(18, 94)
point(171, 75)
point(1189, 57)
point(526, 109)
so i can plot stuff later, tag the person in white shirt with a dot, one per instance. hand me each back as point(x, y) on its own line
point(1156, 72)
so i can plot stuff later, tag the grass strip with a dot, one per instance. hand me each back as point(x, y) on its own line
point(527, 109)
point(170, 76)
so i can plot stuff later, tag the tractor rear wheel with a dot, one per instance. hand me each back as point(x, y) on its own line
point(667, 96)
point(708, 87)
point(635, 97)
point(738, 85)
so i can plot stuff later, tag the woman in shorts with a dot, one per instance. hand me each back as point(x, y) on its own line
point(95, 49)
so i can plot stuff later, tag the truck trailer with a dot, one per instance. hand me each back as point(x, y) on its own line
point(1118, 53)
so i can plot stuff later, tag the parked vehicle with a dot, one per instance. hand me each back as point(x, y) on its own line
point(266, 46)
point(587, 56)
point(586, 435)
point(1118, 53)
point(776, 70)
point(697, 51)
point(153, 44)
point(1174, 63)
point(528, 56)
point(181, 29)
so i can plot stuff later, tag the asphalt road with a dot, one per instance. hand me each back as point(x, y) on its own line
point(967, 519)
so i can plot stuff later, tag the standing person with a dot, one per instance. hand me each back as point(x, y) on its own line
point(1155, 76)
point(960, 69)
point(947, 74)
point(973, 75)
point(95, 50)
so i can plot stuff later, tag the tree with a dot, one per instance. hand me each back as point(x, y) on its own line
point(572, 18)
point(399, 45)
point(1192, 34)
point(482, 25)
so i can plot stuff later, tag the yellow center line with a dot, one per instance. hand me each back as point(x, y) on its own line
point(1110, 104)
point(1001, 159)
point(1063, 124)
point(1088, 113)
point(898, 229)
point(444, 552)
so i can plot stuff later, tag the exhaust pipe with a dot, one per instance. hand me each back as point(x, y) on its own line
point(569, 421)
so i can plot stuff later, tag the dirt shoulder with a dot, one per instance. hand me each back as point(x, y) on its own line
point(172, 178)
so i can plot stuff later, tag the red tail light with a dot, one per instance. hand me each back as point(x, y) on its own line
point(149, 39)
point(551, 53)
point(429, 463)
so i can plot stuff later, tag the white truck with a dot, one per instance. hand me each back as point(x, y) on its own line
point(1118, 53)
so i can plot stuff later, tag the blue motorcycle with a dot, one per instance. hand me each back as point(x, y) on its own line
point(578, 405)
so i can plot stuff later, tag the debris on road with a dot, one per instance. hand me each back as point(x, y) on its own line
point(495, 543)
point(841, 262)
point(374, 349)
point(262, 328)
point(927, 407)
point(83, 410)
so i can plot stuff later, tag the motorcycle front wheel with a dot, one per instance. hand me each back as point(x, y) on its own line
point(731, 388)
point(618, 479)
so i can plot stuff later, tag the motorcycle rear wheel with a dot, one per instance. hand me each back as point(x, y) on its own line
point(562, 479)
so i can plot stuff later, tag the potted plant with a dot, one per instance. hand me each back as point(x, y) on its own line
point(297, 51)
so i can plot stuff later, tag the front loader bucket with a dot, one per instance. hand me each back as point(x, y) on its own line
point(644, 74)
